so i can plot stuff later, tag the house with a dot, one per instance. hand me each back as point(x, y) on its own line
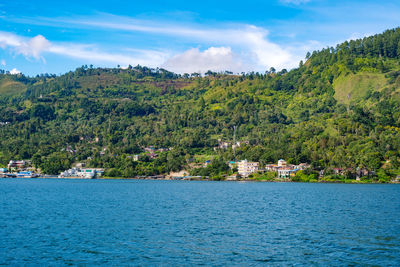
point(17, 164)
point(222, 145)
point(150, 149)
point(282, 163)
point(239, 144)
point(90, 173)
point(82, 173)
point(287, 172)
point(3, 170)
point(302, 166)
point(245, 168)
point(86, 173)
point(271, 168)
point(135, 157)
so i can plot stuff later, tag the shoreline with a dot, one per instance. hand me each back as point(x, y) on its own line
point(207, 180)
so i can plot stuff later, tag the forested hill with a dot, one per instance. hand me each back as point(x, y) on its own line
point(339, 109)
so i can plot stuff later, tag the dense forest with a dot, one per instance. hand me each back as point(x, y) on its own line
point(339, 109)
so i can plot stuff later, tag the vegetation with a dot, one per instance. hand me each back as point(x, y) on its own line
point(339, 109)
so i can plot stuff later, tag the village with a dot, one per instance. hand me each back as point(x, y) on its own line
point(239, 170)
point(245, 168)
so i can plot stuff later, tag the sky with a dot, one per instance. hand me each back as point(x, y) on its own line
point(55, 37)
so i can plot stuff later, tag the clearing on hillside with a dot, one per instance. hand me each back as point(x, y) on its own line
point(353, 87)
point(9, 87)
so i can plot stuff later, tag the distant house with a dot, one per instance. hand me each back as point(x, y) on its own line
point(222, 145)
point(17, 164)
point(149, 149)
point(271, 167)
point(282, 163)
point(302, 166)
point(88, 173)
point(135, 157)
point(287, 172)
point(239, 144)
point(245, 168)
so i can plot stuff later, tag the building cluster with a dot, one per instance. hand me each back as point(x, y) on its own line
point(245, 168)
point(225, 145)
point(18, 164)
point(152, 152)
point(88, 173)
point(18, 168)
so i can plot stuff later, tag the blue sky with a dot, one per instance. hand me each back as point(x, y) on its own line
point(181, 36)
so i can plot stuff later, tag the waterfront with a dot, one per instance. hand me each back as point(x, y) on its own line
point(136, 222)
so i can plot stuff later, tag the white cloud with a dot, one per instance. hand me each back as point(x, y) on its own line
point(34, 47)
point(93, 55)
point(14, 71)
point(3, 62)
point(214, 58)
point(236, 48)
point(250, 41)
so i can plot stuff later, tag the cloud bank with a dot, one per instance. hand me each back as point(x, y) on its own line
point(214, 58)
point(236, 48)
point(251, 42)
point(34, 48)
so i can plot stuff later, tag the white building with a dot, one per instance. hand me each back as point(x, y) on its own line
point(245, 168)
point(287, 172)
point(282, 163)
point(82, 173)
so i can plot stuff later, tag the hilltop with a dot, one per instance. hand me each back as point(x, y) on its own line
point(339, 109)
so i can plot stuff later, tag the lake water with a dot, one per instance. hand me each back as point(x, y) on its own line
point(130, 222)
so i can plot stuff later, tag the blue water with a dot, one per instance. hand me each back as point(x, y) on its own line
point(121, 222)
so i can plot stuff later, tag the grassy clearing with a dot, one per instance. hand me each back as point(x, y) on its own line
point(8, 87)
point(353, 87)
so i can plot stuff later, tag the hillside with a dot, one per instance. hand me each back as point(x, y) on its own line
point(340, 109)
